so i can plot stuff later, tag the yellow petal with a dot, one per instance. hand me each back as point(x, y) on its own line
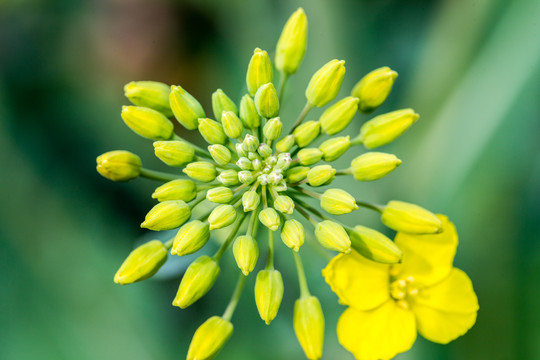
point(447, 310)
point(427, 258)
point(381, 333)
point(357, 281)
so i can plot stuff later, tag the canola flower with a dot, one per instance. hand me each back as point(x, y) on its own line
point(258, 177)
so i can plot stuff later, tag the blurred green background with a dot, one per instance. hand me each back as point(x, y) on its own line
point(471, 68)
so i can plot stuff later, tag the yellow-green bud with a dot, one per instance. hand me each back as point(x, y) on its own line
point(259, 71)
point(248, 113)
point(325, 83)
point(228, 177)
point(201, 171)
point(142, 263)
point(187, 110)
point(220, 154)
point(297, 174)
point(338, 202)
point(244, 163)
point(167, 215)
point(222, 216)
point(220, 103)
point(374, 88)
point(309, 156)
point(147, 123)
point(385, 128)
point(410, 218)
point(266, 101)
point(246, 177)
point(190, 238)
point(251, 143)
point(333, 148)
point(272, 129)
point(199, 278)
point(151, 94)
point(246, 253)
point(268, 293)
point(179, 189)
point(119, 165)
point(306, 133)
point(292, 43)
point(308, 321)
point(293, 234)
point(250, 200)
point(321, 175)
point(209, 338)
point(374, 245)
point(264, 150)
point(373, 165)
point(219, 195)
point(333, 236)
point(285, 144)
point(232, 126)
point(284, 204)
point(174, 152)
point(270, 218)
point(212, 131)
point(338, 116)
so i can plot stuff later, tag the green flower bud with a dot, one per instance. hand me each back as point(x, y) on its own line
point(308, 321)
point(321, 175)
point(332, 236)
point(220, 195)
point(267, 101)
point(209, 338)
point(292, 42)
point(228, 177)
point(222, 216)
point(374, 88)
point(270, 218)
point(251, 143)
point(167, 215)
point(268, 293)
point(190, 238)
point(220, 154)
point(221, 103)
point(150, 94)
point(248, 113)
point(284, 204)
point(285, 144)
point(264, 150)
point(142, 263)
point(338, 116)
point(272, 129)
point(338, 202)
point(246, 253)
point(244, 163)
point(297, 174)
point(241, 150)
point(179, 189)
point(212, 131)
point(373, 166)
point(174, 152)
point(147, 123)
point(250, 200)
point(119, 165)
point(187, 110)
point(309, 156)
point(201, 171)
point(385, 128)
point(259, 71)
point(293, 234)
point(231, 124)
point(306, 133)
point(246, 177)
point(333, 148)
point(325, 83)
point(199, 278)
point(410, 218)
point(374, 246)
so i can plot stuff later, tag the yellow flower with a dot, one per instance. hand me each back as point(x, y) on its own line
point(388, 304)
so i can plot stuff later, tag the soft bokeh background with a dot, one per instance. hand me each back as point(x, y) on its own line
point(471, 68)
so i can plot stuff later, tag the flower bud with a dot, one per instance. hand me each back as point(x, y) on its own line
point(142, 263)
point(285, 144)
point(374, 246)
point(199, 278)
point(272, 129)
point(251, 143)
point(119, 165)
point(293, 234)
point(220, 154)
point(228, 177)
point(373, 166)
point(284, 204)
point(267, 101)
point(167, 215)
point(264, 150)
point(333, 148)
point(270, 218)
point(241, 150)
point(309, 156)
point(321, 175)
point(338, 202)
point(385, 128)
point(246, 177)
point(338, 116)
point(201, 171)
point(232, 126)
point(219, 195)
point(281, 186)
point(174, 152)
point(410, 218)
point(250, 200)
point(259, 71)
point(190, 238)
point(147, 123)
point(150, 94)
point(187, 110)
point(332, 236)
point(283, 161)
point(325, 83)
point(248, 113)
point(292, 43)
point(308, 321)
point(268, 293)
point(306, 133)
point(209, 338)
point(220, 103)
point(212, 131)
point(374, 88)
point(297, 174)
point(244, 163)
point(222, 216)
point(246, 253)
point(179, 189)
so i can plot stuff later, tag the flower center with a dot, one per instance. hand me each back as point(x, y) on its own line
point(403, 291)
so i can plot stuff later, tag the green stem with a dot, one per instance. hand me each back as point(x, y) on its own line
point(305, 214)
point(344, 172)
point(378, 208)
point(270, 261)
point(357, 140)
point(198, 150)
point(169, 243)
point(158, 175)
point(304, 290)
point(282, 81)
point(311, 193)
point(252, 227)
point(217, 256)
point(197, 201)
point(263, 193)
point(229, 311)
point(302, 116)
